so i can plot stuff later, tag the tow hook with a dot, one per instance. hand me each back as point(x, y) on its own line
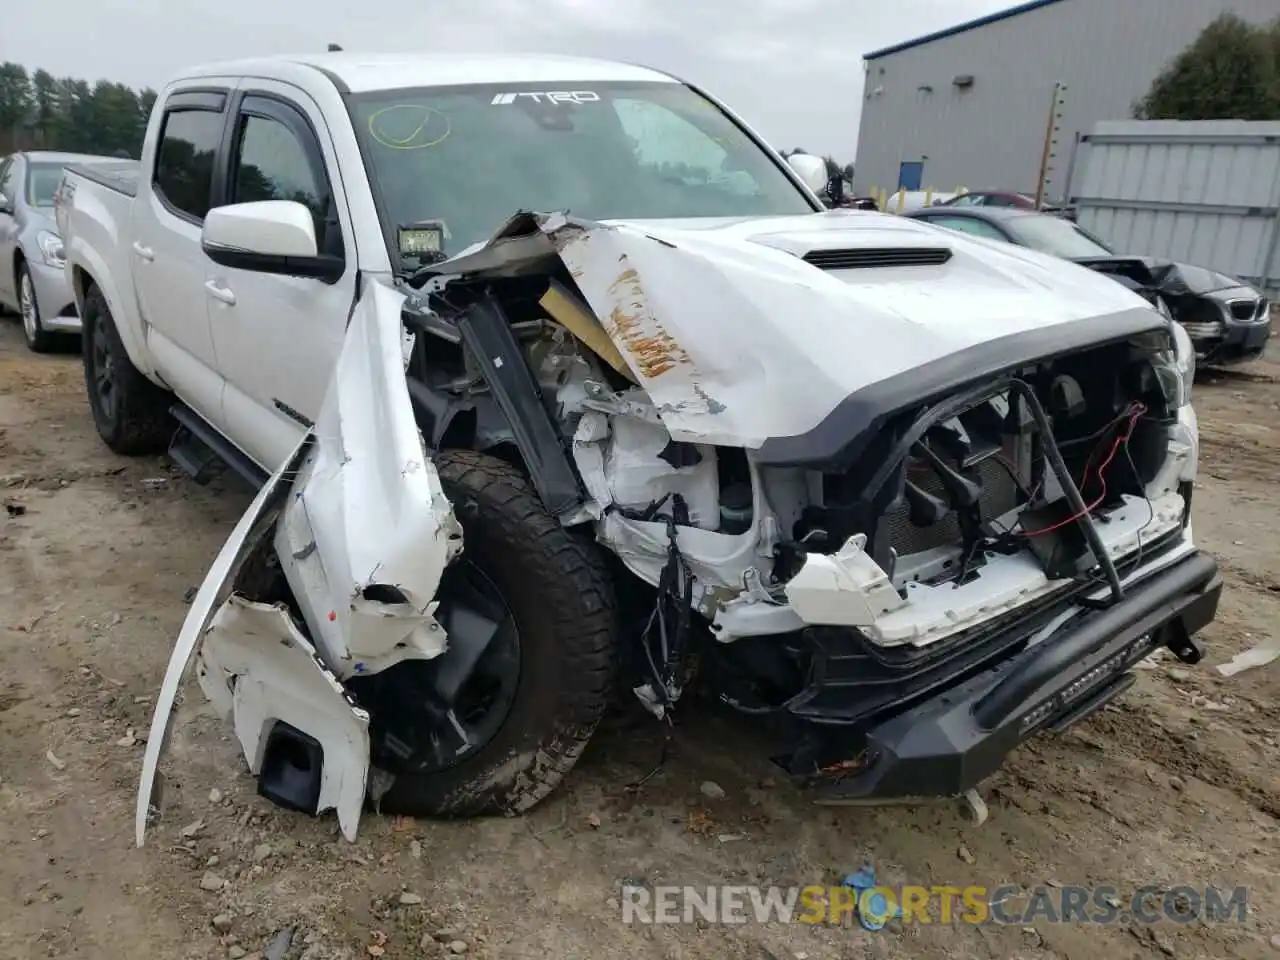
point(1183, 645)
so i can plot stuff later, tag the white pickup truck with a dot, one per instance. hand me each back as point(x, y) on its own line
point(550, 371)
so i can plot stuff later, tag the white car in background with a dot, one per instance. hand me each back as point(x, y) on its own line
point(32, 280)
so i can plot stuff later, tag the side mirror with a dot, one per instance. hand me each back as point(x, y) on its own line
point(812, 170)
point(6, 205)
point(267, 236)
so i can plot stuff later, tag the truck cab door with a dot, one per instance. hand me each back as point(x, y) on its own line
point(180, 181)
point(278, 337)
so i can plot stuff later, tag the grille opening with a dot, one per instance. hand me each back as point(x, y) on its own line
point(1243, 309)
point(878, 257)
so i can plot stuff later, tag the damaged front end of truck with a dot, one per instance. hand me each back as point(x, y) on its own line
point(903, 502)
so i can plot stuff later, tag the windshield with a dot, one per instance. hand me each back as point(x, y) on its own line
point(1203, 280)
point(1062, 238)
point(471, 157)
point(42, 183)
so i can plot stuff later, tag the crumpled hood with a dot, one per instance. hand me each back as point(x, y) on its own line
point(736, 338)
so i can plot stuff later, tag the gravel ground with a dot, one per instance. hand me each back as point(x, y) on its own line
point(1175, 784)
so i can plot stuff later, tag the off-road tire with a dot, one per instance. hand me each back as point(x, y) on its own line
point(556, 585)
point(140, 422)
point(39, 340)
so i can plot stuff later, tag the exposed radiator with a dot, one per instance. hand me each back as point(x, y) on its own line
point(999, 495)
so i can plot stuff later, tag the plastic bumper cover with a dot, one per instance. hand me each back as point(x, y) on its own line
point(1239, 341)
point(54, 297)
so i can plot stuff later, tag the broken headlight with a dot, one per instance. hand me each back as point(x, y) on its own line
point(1174, 364)
point(51, 248)
point(1185, 362)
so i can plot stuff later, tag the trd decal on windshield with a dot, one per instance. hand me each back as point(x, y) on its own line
point(549, 96)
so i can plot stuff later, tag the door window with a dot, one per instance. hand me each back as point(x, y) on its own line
point(978, 228)
point(277, 158)
point(184, 162)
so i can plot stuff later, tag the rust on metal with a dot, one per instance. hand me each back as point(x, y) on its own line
point(638, 331)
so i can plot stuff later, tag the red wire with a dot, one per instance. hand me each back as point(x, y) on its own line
point(1136, 411)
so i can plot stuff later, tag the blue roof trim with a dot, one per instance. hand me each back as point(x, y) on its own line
point(959, 28)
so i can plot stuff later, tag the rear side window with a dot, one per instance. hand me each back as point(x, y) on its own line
point(184, 162)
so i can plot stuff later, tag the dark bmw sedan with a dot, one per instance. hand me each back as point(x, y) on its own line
point(1227, 319)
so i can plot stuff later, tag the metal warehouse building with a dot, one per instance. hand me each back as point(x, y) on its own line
point(969, 106)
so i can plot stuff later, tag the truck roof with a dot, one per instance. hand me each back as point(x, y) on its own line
point(360, 72)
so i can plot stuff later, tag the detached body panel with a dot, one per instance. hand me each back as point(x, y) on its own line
point(357, 526)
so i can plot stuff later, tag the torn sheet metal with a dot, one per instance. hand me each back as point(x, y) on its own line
point(610, 471)
point(637, 474)
point(520, 246)
point(363, 531)
point(258, 669)
point(736, 338)
point(368, 531)
point(249, 533)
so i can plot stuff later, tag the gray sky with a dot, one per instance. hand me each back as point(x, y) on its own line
point(793, 68)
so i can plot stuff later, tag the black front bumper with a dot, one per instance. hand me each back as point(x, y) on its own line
point(961, 735)
point(1238, 343)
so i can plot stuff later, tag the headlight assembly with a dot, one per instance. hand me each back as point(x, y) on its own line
point(1185, 355)
point(51, 248)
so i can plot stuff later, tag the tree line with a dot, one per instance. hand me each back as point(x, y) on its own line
point(1230, 72)
point(39, 111)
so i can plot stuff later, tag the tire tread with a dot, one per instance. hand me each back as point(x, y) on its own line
point(579, 603)
point(143, 423)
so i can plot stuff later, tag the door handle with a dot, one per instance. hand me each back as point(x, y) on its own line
point(146, 253)
point(220, 293)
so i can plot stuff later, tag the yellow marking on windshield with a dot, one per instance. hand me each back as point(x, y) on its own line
point(406, 143)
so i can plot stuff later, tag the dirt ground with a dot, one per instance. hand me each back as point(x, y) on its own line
point(1178, 783)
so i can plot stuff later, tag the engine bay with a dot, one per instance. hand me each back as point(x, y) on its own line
point(958, 509)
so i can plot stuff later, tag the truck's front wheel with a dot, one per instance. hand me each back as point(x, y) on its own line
point(130, 412)
point(495, 723)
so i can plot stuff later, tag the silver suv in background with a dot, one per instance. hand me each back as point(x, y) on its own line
point(32, 280)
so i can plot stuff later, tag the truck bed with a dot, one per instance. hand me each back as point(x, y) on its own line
point(93, 208)
point(118, 175)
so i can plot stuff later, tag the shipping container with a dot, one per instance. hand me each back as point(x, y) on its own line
point(1204, 192)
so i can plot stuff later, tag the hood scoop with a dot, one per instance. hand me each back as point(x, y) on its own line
point(858, 258)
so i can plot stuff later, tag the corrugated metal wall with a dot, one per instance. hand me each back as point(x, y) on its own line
point(1206, 193)
point(990, 135)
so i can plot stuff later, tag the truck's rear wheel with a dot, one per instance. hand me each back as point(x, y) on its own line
point(494, 724)
point(130, 412)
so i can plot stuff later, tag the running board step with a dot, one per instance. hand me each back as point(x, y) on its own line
point(203, 453)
